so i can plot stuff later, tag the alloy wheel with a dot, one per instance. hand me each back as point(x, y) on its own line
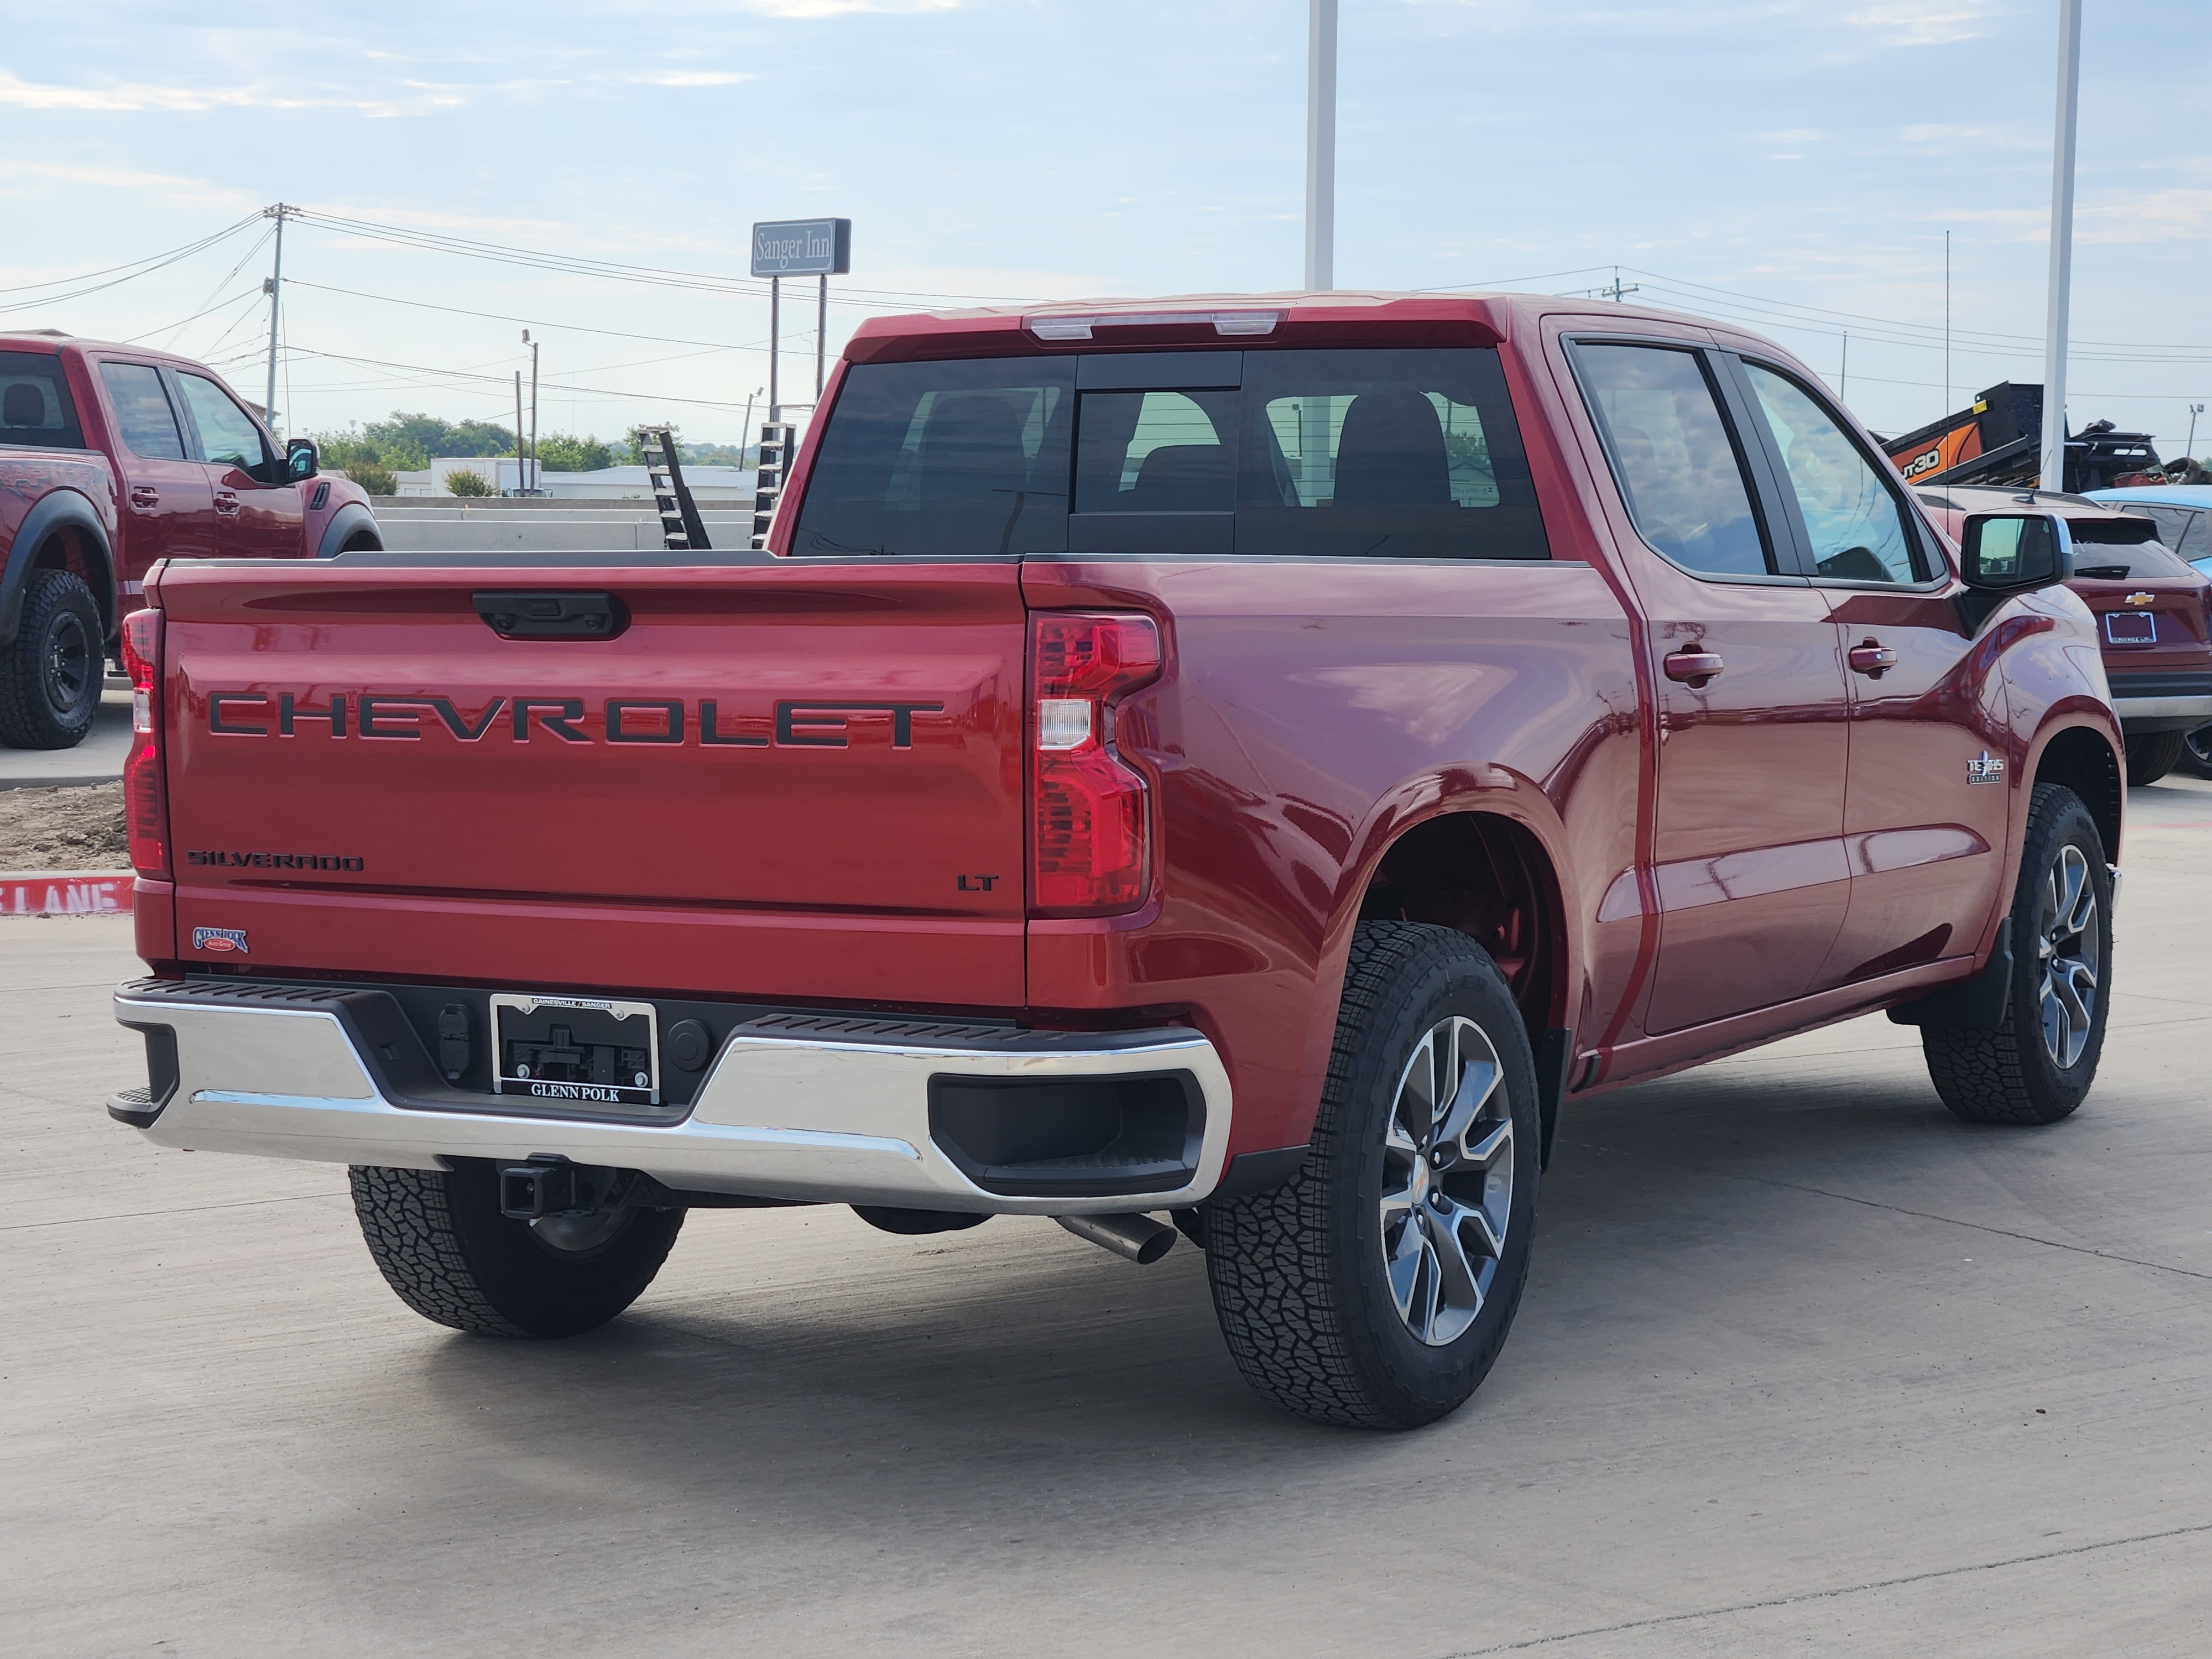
point(68, 664)
point(1447, 1180)
point(2067, 957)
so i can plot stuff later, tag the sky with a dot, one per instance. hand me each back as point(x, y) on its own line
point(1791, 165)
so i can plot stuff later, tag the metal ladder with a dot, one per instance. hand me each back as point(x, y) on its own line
point(681, 526)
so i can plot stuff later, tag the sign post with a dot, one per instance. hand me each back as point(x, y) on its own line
point(799, 247)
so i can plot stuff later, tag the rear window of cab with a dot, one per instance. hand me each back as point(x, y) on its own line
point(1387, 454)
point(36, 410)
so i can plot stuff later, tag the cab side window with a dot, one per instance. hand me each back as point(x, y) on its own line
point(228, 436)
point(36, 410)
point(143, 415)
point(1855, 524)
point(1672, 457)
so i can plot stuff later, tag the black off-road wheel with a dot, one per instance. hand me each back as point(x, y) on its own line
point(1376, 1288)
point(441, 1241)
point(2037, 1066)
point(2150, 758)
point(50, 677)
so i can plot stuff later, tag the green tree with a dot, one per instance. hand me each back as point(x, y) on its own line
point(429, 436)
point(376, 480)
point(465, 482)
point(564, 452)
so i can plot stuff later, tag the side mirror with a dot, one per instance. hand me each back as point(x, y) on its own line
point(303, 460)
point(2014, 552)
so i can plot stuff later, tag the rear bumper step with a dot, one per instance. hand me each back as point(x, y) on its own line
point(924, 1114)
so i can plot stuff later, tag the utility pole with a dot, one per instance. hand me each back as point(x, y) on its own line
point(744, 432)
point(517, 436)
point(275, 286)
point(530, 483)
point(1321, 144)
point(820, 337)
point(774, 339)
point(2062, 243)
point(2188, 449)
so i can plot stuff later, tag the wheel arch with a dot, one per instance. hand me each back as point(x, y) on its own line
point(346, 528)
point(2083, 758)
point(63, 532)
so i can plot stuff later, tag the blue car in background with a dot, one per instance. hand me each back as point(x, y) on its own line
point(2183, 513)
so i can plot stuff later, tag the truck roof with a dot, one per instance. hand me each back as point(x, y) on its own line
point(1230, 321)
point(51, 340)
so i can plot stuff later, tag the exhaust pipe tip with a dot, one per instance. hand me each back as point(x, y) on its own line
point(1137, 1238)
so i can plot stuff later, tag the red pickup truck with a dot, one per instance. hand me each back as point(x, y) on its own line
point(1252, 762)
point(111, 459)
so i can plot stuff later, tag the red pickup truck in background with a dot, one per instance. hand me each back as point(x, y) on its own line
point(111, 459)
point(1249, 760)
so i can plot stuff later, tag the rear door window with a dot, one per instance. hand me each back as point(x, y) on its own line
point(2121, 548)
point(1680, 476)
point(2181, 528)
point(36, 410)
point(143, 418)
point(945, 458)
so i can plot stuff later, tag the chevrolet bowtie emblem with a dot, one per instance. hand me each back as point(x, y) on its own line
point(2141, 598)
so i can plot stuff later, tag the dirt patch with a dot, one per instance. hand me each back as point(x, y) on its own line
point(79, 828)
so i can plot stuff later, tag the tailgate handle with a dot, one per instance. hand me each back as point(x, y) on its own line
point(540, 614)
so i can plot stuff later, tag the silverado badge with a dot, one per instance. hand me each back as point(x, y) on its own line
point(1985, 770)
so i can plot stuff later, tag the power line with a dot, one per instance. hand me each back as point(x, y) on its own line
point(138, 269)
point(533, 322)
point(550, 386)
point(152, 261)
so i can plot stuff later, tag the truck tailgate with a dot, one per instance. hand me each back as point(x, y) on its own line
point(759, 779)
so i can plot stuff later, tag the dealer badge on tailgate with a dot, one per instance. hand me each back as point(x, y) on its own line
point(579, 1049)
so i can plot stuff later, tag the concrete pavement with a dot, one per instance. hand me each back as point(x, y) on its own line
point(98, 759)
point(1805, 1365)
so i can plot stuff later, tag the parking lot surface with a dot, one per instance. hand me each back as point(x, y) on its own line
point(1805, 1365)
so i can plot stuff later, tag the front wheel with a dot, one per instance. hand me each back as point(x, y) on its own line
point(2037, 1066)
point(442, 1243)
point(1377, 1287)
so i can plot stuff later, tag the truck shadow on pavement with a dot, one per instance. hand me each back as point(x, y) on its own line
point(800, 1364)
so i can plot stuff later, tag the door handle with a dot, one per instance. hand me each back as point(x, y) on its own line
point(1693, 668)
point(145, 495)
point(1871, 659)
point(226, 501)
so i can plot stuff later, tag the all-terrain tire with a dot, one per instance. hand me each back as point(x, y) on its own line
point(1299, 1276)
point(2151, 757)
point(2010, 1075)
point(442, 1245)
point(51, 678)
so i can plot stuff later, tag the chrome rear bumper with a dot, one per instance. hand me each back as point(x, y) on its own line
point(813, 1108)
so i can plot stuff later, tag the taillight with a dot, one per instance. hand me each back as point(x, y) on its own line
point(1088, 819)
point(145, 811)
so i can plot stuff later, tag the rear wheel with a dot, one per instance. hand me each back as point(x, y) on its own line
point(2196, 752)
point(2037, 1067)
point(50, 679)
point(1377, 1287)
point(442, 1243)
point(2151, 757)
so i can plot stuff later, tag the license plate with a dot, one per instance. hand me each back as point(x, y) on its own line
point(2131, 627)
point(577, 1050)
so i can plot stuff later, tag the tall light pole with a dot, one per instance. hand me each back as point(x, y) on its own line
point(2062, 243)
point(1321, 144)
point(529, 481)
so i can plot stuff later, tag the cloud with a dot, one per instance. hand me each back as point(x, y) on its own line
point(814, 8)
point(690, 78)
point(1911, 24)
point(128, 96)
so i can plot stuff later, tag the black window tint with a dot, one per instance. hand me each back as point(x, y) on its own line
point(1391, 453)
point(1671, 455)
point(946, 458)
point(1157, 451)
point(2181, 528)
point(36, 410)
point(143, 415)
point(2129, 544)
